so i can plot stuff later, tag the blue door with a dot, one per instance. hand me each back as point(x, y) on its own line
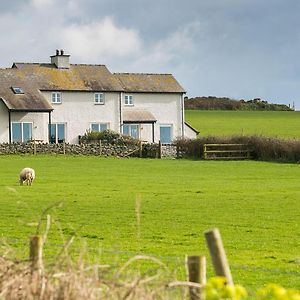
point(165, 134)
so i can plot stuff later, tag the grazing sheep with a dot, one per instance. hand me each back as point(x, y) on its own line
point(27, 175)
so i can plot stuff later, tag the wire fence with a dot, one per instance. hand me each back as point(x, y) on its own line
point(175, 261)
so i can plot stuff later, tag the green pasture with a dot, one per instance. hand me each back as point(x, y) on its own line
point(281, 124)
point(254, 204)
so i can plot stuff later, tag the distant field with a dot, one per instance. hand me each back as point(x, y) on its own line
point(254, 204)
point(281, 124)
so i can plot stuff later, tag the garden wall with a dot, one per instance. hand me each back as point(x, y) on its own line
point(92, 148)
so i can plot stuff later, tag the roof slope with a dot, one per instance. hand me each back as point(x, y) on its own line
point(76, 78)
point(35, 77)
point(149, 83)
point(31, 100)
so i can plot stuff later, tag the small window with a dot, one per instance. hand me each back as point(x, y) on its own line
point(128, 100)
point(17, 90)
point(99, 98)
point(56, 97)
point(98, 127)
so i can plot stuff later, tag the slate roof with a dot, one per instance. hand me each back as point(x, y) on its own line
point(76, 78)
point(31, 100)
point(149, 83)
point(35, 77)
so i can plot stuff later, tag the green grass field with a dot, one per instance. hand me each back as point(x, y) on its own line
point(282, 124)
point(254, 204)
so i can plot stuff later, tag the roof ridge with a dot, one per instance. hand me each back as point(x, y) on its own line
point(43, 63)
point(97, 65)
point(127, 73)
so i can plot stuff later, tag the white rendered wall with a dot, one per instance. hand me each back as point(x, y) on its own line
point(189, 133)
point(78, 110)
point(3, 123)
point(166, 108)
point(38, 120)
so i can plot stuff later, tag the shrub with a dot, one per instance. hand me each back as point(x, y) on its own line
point(262, 148)
point(109, 136)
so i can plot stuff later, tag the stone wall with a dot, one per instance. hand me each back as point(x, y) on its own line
point(96, 148)
point(103, 149)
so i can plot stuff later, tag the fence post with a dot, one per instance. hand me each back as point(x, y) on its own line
point(205, 154)
point(100, 147)
point(159, 149)
point(217, 253)
point(64, 147)
point(197, 274)
point(36, 253)
point(141, 149)
point(34, 147)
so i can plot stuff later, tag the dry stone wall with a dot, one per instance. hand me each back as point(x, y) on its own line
point(72, 149)
point(96, 148)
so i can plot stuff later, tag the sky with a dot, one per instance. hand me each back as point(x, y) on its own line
point(241, 49)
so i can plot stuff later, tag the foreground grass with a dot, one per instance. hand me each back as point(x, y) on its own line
point(254, 204)
point(283, 124)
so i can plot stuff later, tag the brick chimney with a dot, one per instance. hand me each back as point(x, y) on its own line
point(61, 60)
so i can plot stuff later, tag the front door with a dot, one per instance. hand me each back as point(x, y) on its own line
point(165, 134)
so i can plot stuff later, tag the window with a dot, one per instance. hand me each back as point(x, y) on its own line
point(128, 100)
point(131, 130)
point(17, 90)
point(98, 127)
point(56, 97)
point(57, 133)
point(21, 132)
point(165, 134)
point(99, 98)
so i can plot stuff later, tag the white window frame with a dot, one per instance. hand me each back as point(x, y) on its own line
point(17, 90)
point(22, 130)
point(99, 124)
point(138, 129)
point(99, 98)
point(128, 100)
point(56, 97)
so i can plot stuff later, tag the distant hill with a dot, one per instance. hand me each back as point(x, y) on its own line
point(224, 103)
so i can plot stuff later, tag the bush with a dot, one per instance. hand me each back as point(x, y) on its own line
point(262, 148)
point(109, 136)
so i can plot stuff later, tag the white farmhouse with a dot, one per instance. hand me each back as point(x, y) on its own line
point(58, 101)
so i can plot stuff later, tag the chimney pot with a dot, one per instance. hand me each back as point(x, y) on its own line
point(57, 52)
point(61, 52)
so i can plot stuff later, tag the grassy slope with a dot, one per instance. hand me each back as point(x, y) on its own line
point(255, 205)
point(268, 123)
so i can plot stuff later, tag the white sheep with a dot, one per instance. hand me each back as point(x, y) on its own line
point(27, 175)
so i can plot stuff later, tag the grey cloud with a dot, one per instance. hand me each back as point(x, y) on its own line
point(234, 48)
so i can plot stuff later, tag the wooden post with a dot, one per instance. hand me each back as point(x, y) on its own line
point(35, 254)
point(64, 147)
point(197, 274)
point(100, 147)
point(141, 149)
point(217, 253)
point(34, 147)
point(205, 154)
point(159, 149)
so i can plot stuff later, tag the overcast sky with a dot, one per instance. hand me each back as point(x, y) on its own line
point(235, 48)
